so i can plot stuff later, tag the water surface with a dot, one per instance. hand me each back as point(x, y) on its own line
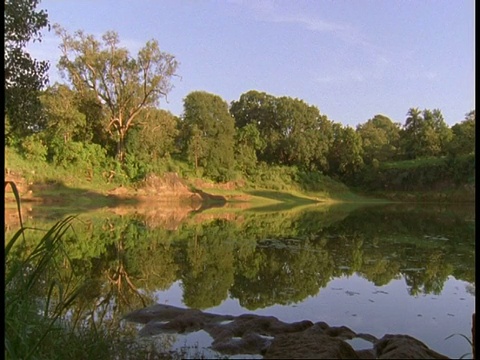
point(390, 269)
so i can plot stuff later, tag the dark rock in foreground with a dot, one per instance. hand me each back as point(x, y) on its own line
point(275, 339)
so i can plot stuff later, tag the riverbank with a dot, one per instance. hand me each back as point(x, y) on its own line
point(168, 188)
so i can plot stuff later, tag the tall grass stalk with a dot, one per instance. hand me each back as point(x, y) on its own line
point(33, 326)
point(40, 287)
point(468, 340)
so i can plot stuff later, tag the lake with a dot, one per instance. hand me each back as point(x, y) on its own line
point(377, 269)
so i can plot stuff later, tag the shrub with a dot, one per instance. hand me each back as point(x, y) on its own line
point(33, 148)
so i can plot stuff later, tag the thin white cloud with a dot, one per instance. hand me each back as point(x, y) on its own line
point(375, 59)
point(266, 11)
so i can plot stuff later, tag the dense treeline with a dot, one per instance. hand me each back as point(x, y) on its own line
point(106, 118)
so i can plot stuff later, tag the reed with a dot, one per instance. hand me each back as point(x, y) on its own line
point(38, 294)
point(36, 299)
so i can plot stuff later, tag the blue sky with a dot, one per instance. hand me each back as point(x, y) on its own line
point(352, 59)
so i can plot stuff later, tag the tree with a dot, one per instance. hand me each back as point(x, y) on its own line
point(346, 153)
point(24, 76)
point(247, 142)
point(411, 135)
point(425, 134)
point(153, 136)
point(294, 132)
point(64, 119)
point(258, 108)
point(210, 130)
point(380, 137)
point(305, 135)
point(124, 85)
point(197, 146)
point(463, 139)
point(435, 133)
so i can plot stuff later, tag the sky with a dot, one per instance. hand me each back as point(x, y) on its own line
point(352, 59)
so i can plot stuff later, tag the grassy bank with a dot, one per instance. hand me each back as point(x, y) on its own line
point(81, 188)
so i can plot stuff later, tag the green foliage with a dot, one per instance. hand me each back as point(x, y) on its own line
point(318, 182)
point(136, 169)
point(461, 169)
point(210, 131)
point(153, 137)
point(380, 139)
point(24, 76)
point(79, 155)
point(463, 138)
point(294, 132)
point(64, 118)
point(345, 155)
point(426, 174)
point(425, 134)
point(273, 177)
point(247, 142)
point(124, 84)
point(34, 149)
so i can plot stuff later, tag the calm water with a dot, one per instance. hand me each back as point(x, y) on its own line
point(396, 269)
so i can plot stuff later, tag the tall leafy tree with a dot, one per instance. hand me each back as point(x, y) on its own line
point(425, 133)
point(294, 132)
point(305, 134)
point(63, 115)
point(380, 139)
point(153, 136)
point(411, 135)
point(24, 76)
point(463, 140)
point(123, 84)
point(210, 130)
point(435, 133)
point(259, 108)
point(346, 153)
point(247, 142)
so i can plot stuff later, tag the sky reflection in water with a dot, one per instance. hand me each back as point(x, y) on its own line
point(355, 302)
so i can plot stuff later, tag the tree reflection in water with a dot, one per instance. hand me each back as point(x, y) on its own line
point(263, 259)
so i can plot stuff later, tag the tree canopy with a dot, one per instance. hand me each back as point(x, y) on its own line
point(380, 139)
point(295, 133)
point(211, 132)
point(24, 76)
point(123, 84)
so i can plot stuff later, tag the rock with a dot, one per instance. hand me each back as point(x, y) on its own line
point(366, 354)
point(250, 343)
point(272, 338)
point(404, 347)
point(309, 345)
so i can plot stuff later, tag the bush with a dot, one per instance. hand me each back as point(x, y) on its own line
point(33, 148)
point(419, 175)
point(66, 154)
point(136, 169)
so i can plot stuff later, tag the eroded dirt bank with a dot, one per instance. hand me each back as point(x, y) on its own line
point(164, 201)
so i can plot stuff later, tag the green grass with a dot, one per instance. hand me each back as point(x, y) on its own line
point(72, 191)
point(42, 172)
